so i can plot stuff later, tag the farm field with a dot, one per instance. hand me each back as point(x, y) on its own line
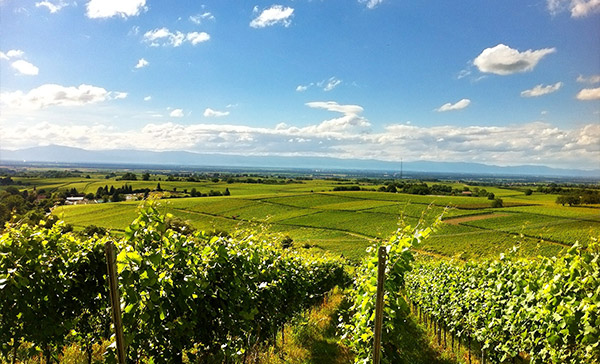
point(347, 222)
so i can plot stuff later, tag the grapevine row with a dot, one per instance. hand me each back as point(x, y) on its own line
point(211, 299)
point(546, 309)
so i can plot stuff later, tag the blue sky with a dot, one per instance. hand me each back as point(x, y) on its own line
point(496, 82)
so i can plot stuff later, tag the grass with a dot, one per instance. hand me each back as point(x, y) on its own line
point(314, 339)
point(311, 339)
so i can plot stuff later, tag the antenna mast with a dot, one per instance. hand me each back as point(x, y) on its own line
point(400, 168)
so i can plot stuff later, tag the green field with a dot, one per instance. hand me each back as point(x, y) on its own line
point(347, 222)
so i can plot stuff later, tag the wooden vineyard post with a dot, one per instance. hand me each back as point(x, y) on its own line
point(381, 256)
point(115, 300)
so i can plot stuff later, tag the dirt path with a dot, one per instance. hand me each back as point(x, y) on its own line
point(458, 220)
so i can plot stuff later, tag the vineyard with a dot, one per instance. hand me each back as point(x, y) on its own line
point(547, 309)
point(348, 222)
point(208, 299)
point(222, 279)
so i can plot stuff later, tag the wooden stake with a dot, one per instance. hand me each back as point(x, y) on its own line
point(381, 256)
point(115, 300)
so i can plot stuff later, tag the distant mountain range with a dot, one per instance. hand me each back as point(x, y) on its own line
point(61, 154)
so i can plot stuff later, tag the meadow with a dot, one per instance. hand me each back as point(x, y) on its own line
point(347, 222)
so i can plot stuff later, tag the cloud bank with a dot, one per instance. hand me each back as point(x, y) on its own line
point(531, 143)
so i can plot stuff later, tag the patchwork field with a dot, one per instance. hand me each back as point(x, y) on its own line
point(347, 222)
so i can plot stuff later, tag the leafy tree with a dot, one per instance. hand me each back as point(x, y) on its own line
point(570, 200)
point(497, 203)
point(128, 176)
point(146, 176)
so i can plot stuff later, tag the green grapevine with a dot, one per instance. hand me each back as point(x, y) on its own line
point(547, 308)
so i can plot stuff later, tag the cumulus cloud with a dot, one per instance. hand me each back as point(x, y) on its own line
point(147, 98)
point(503, 60)
point(176, 113)
point(210, 113)
point(163, 36)
point(25, 68)
point(197, 19)
point(142, 63)
point(276, 14)
point(20, 65)
point(197, 37)
point(55, 95)
point(456, 106)
point(97, 9)
point(53, 7)
point(541, 90)
point(578, 8)
point(371, 4)
point(118, 95)
point(589, 94)
point(591, 79)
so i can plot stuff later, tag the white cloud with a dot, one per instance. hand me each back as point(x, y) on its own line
point(54, 95)
point(326, 85)
point(197, 19)
point(541, 90)
point(195, 37)
point(591, 79)
point(329, 84)
point(163, 36)
point(578, 8)
point(351, 120)
point(276, 14)
point(503, 60)
point(52, 7)
point(25, 68)
point(589, 94)
point(529, 143)
point(109, 8)
point(147, 98)
point(371, 4)
point(210, 113)
point(13, 53)
point(176, 113)
point(142, 63)
point(20, 65)
point(118, 95)
point(456, 106)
